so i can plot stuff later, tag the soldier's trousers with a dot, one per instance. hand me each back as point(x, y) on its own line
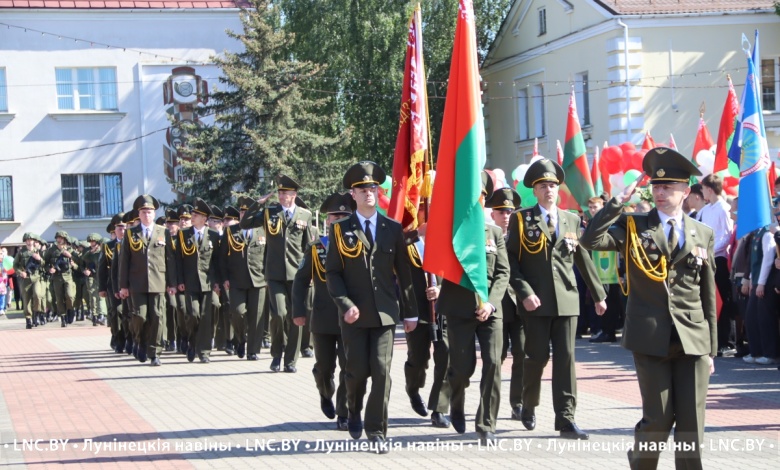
point(327, 349)
point(80, 293)
point(418, 355)
point(539, 333)
point(265, 316)
point(95, 303)
point(463, 362)
point(115, 311)
point(147, 321)
point(170, 318)
point(33, 295)
point(285, 335)
point(181, 316)
point(200, 320)
point(246, 306)
point(514, 338)
point(223, 327)
point(64, 292)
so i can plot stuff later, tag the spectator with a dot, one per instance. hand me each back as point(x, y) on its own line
point(5, 286)
point(695, 201)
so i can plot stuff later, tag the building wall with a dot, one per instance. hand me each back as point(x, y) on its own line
point(33, 126)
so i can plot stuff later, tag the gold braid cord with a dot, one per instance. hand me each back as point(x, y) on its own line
point(184, 250)
point(414, 256)
point(657, 273)
point(135, 245)
point(316, 266)
point(272, 229)
point(531, 247)
point(234, 244)
point(344, 250)
point(107, 252)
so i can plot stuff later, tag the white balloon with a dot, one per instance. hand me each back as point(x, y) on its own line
point(521, 171)
point(617, 183)
point(706, 160)
point(536, 158)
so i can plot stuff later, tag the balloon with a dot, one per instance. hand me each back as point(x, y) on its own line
point(519, 173)
point(630, 176)
point(500, 176)
point(611, 160)
point(527, 197)
point(627, 147)
point(637, 158)
point(731, 185)
point(616, 180)
point(706, 160)
point(535, 159)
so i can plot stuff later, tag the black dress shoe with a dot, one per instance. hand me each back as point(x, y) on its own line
point(326, 405)
point(190, 354)
point(341, 424)
point(572, 431)
point(229, 349)
point(241, 351)
point(486, 437)
point(266, 344)
point(251, 357)
point(438, 420)
point(458, 420)
point(129, 346)
point(378, 445)
point(355, 426)
point(135, 350)
point(528, 417)
point(204, 359)
point(418, 405)
point(517, 413)
point(170, 347)
point(156, 362)
point(276, 364)
point(185, 346)
point(307, 353)
point(604, 338)
point(290, 369)
point(29, 324)
point(142, 354)
point(63, 321)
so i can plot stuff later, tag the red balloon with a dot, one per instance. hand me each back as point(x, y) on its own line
point(611, 158)
point(627, 147)
point(730, 185)
point(637, 158)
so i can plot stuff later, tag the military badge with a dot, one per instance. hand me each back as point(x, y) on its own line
point(570, 239)
point(301, 224)
point(530, 233)
point(160, 241)
point(261, 240)
point(490, 246)
point(660, 173)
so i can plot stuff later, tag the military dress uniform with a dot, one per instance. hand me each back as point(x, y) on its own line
point(288, 237)
point(60, 264)
point(198, 272)
point(670, 326)
point(184, 214)
point(242, 262)
point(542, 258)
point(106, 287)
point(147, 267)
point(90, 262)
point(222, 329)
point(130, 219)
point(360, 273)
point(30, 263)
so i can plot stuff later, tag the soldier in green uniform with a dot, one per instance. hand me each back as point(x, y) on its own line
point(130, 220)
point(289, 231)
point(113, 303)
point(543, 246)
point(172, 325)
point(223, 329)
point(324, 320)
point(147, 269)
point(60, 264)
point(671, 326)
point(184, 215)
point(503, 203)
point(90, 261)
point(28, 263)
point(80, 297)
point(366, 250)
point(467, 318)
point(198, 279)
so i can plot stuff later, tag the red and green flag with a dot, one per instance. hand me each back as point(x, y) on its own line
point(703, 139)
point(454, 247)
point(575, 160)
point(595, 173)
point(728, 122)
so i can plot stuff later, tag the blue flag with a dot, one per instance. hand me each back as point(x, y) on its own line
point(735, 151)
point(754, 195)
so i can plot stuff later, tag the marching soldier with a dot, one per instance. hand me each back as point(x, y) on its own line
point(324, 322)
point(223, 329)
point(288, 229)
point(184, 214)
point(366, 250)
point(543, 249)
point(28, 263)
point(198, 280)
point(671, 326)
point(90, 260)
point(147, 269)
point(59, 263)
point(172, 322)
point(466, 318)
point(503, 202)
point(113, 303)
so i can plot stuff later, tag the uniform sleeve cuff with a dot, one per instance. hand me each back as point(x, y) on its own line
point(410, 319)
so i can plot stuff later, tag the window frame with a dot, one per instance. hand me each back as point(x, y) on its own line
point(523, 123)
point(537, 98)
point(3, 90)
point(775, 87)
point(542, 15)
point(102, 99)
point(81, 201)
point(582, 96)
point(10, 194)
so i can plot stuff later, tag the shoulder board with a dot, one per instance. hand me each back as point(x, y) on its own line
point(305, 211)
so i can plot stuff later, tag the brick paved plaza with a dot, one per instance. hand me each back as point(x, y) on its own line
point(60, 384)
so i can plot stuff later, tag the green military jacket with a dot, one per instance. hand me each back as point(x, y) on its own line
point(242, 261)
point(146, 266)
point(311, 275)
point(286, 242)
point(90, 261)
point(104, 266)
point(55, 258)
point(455, 300)
point(684, 300)
point(197, 263)
point(364, 277)
point(25, 263)
point(545, 269)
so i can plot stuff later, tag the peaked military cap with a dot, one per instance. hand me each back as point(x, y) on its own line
point(504, 198)
point(299, 202)
point(487, 184)
point(171, 215)
point(364, 174)
point(130, 216)
point(201, 207)
point(94, 237)
point(665, 165)
point(146, 201)
point(543, 170)
point(62, 234)
point(338, 203)
point(244, 202)
point(285, 183)
point(160, 220)
point(232, 213)
point(115, 220)
point(184, 211)
point(216, 213)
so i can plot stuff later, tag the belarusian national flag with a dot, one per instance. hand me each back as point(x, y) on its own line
point(575, 161)
point(728, 122)
point(703, 139)
point(456, 224)
point(595, 173)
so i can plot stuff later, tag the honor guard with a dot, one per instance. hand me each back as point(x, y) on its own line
point(106, 288)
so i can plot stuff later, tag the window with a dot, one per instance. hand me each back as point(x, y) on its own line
point(91, 195)
point(86, 88)
point(542, 21)
point(537, 95)
point(6, 198)
point(769, 84)
point(522, 114)
point(3, 92)
point(583, 98)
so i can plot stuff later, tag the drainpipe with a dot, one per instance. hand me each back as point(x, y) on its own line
point(628, 82)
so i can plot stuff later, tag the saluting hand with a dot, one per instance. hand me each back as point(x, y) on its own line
point(351, 315)
point(531, 303)
point(625, 196)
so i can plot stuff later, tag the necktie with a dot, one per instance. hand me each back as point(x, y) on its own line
point(147, 234)
point(287, 216)
point(551, 228)
point(672, 240)
point(198, 236)
point(247, 234)
point(369, 237)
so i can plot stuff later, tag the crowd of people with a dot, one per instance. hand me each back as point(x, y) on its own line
point(259, 274)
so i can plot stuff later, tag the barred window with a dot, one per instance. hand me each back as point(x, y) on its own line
point(6, 198)
point(91, 195)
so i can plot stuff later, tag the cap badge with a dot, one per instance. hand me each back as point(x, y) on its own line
point(660, 173)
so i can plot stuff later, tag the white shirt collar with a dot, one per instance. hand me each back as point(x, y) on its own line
point(553, 212)
point(362, 220)
point(665, 219)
